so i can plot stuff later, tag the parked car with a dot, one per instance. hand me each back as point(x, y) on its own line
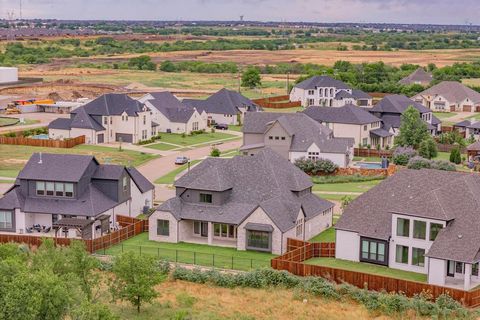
point(221, 126)
point(181, 160)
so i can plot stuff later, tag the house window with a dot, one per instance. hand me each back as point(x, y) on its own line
point(401, 254)
point(299, 227)
point(311, 92)
point(59, 189)
point(222, 230)
point(418, 257)
point(403, 227)
point(195, 126)
point(205, 198)
point(40, 188)
point(434, 229)
point(200, 228)
point(458, 267)
point(6, 218)
point(163, 228)
point(419, 229)
point(50, 186)
point(277, 138)
point(373, 251)
point(111, 120)
point(283, 138)
point(258, 240)
point(475, 269)
point(126, 118)
point(270, 138)
point(311, 102)
point(105, 120)
point(364, 141)
point(144, 119)
point(69, 190)
point(365, 128)
point(124, 184)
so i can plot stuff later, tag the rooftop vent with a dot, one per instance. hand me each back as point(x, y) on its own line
point(460, 236)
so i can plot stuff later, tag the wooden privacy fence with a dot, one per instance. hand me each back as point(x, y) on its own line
point(277, 102)
point(67, 143)
point(292, 261)
point(363, 152)
point(448, 148)
point(129, 227)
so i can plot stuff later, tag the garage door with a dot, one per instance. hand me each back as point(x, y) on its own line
point(467, 108)
point(124, 136)
point(452, 108)
point(100, 138)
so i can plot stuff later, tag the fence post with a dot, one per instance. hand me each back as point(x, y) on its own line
point(158, 251)
point(176, 255)
point(251, 264)
point(232, 262)
point(213, 260)
point(194, 258)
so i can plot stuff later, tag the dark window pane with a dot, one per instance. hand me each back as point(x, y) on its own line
point(258, 239)
point(419, 229)
point(401, 254)
point(163, 227)
point(418, 257)
point(205, 197)
point(434, 229)
point(403, 227)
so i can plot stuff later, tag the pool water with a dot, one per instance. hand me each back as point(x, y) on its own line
point(369, 165)
point(42, 136)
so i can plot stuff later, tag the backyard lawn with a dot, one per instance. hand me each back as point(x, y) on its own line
point(368, 268)
point(235, 128)
point(325, 236)
point(13, 158)
point(190, 140)
point(443, 115)
point(199, 254)
point(294, 109)
point(334, 197)
point(169, 178)
point(358, 187)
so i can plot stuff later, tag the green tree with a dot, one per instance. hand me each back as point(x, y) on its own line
point(413, 130)
point(428, 148)
point(142, 63)
point(251, 78)
point(168, 66)
point(135, 278)
point(455, 155)
point(84, 266)
point(215, 152)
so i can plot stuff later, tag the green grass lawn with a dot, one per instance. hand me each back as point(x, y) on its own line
point(193, 139)
point(161, 146)
point(368, 268)
point(294, 109)
point(443, 115)
point(475, 116)
point(367, 159)
point(169, 178)
point(235, 128)
point(13, 158)
point(327, 235)
point(346, 187)
point(334, 197)
point(200, 254)
point(230, 153)
point(5, 121)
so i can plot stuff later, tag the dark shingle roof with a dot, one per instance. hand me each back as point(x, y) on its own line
point(380, 132)
point(397, 103)
point(441, 195)
point(453, 91)
point(142, 183)
point(419, 75)
point(79, 119)
point(56, 167)
point(474, 146)
point(359, 94)
point(223, 102)
point(304, 131)
point(265, 180)
point(347, 114)
point(113, 104)
point(321, 81)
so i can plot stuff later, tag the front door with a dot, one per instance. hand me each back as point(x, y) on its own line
point(450, 268)
point(204, 231)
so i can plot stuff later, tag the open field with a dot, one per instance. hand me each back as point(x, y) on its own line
point(13, 158)
point(185, 300)
point(198, 254)
point(368, 268)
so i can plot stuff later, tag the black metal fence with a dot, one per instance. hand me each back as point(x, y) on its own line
point(191, 257)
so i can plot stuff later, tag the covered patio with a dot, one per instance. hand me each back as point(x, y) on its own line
point(473, 151)
point(74, 227)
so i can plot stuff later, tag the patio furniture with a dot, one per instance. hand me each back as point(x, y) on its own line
point(47, 230)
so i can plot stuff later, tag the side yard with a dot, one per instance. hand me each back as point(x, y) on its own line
point(197, 254)
point(169, 141)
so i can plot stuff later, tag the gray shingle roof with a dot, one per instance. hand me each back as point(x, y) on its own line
point(113, 104)
point(419, 75)
point(380, 132)
point(474, 146)
point(265, 180)
point(468, 124)
point(304, 131)
point(223, 102)
point(448, 196)
point(321, 81)
point(453, 91)
point(108, 172)
point(139, 179)
point(397, 103)
point(342, 94)
point(347, 114)
point(56, 167)
point(78, 119)
point(170, 107)
point(359, 94)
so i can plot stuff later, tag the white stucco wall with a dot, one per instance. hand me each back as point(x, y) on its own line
point(437, 271)
point(223, 118)
point(347, 245)
point(318, 224)
point(152, 227)
point(139, 200)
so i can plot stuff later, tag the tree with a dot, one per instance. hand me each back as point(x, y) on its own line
point(135, 278)
point(413, 130)
point(428, 148)
point(251, 78)
point(455, 155)
point(345, 202)
point(168, 66)
point(142, 63)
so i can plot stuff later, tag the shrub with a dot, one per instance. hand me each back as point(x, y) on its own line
point(451, 137)
point(443, 165)
point(455, 156)
point(418, 162)
point(428, 149)
point(316, 166)
point(401, 155)
point(342, 179)
point(215, 152)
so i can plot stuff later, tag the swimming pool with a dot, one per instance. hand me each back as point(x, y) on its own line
point(42, 136)
point(369, 165)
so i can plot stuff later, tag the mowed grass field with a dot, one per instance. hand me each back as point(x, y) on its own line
point(189, 140)
point(186, 300)
point(13, 158)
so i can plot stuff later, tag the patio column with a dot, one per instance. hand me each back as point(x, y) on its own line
point(467, 276)
point(210, 233)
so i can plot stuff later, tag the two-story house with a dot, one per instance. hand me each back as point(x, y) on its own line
point(424, 221)
point(294, 136)
point(73, 194)
point(471, 128)
point(248, 203)
point(172, 116)
point(109, 118)
point(328, 92)
point(449, 96)
point(351, 121)
point(391, 108)
point(224, 107)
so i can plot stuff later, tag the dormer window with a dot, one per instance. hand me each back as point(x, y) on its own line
point(40, 188)
point(57, 189)
point(50, 186)
point(205, 198)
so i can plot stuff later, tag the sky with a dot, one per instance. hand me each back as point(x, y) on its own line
point(383, 11)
